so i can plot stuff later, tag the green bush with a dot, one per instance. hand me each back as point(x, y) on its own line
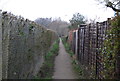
point(111, 49)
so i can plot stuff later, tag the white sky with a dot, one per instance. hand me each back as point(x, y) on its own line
point(33, 9)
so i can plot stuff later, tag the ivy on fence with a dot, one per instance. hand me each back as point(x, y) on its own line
point(98, 48)
point(111, 49)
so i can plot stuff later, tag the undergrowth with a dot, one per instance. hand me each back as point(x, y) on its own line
point(46, 71)
point(67, 46)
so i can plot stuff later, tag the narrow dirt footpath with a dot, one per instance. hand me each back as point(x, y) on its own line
point(63, 67)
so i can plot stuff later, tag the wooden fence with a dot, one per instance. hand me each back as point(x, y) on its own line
point(87, 43)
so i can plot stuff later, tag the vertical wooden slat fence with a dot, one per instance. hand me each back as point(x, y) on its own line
point(81, 34)
point(89, 44)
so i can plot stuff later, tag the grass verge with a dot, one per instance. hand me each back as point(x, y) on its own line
point(67, 46)
point(46, 71)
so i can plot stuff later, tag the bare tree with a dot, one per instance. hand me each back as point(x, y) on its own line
point(114, 4)
point(61, 27)
point(44, 21)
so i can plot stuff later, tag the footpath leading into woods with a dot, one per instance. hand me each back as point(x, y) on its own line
point(63, 65)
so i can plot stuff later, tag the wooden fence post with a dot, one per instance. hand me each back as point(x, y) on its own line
point(96, 50)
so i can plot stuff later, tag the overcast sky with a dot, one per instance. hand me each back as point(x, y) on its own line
point(33, 9)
